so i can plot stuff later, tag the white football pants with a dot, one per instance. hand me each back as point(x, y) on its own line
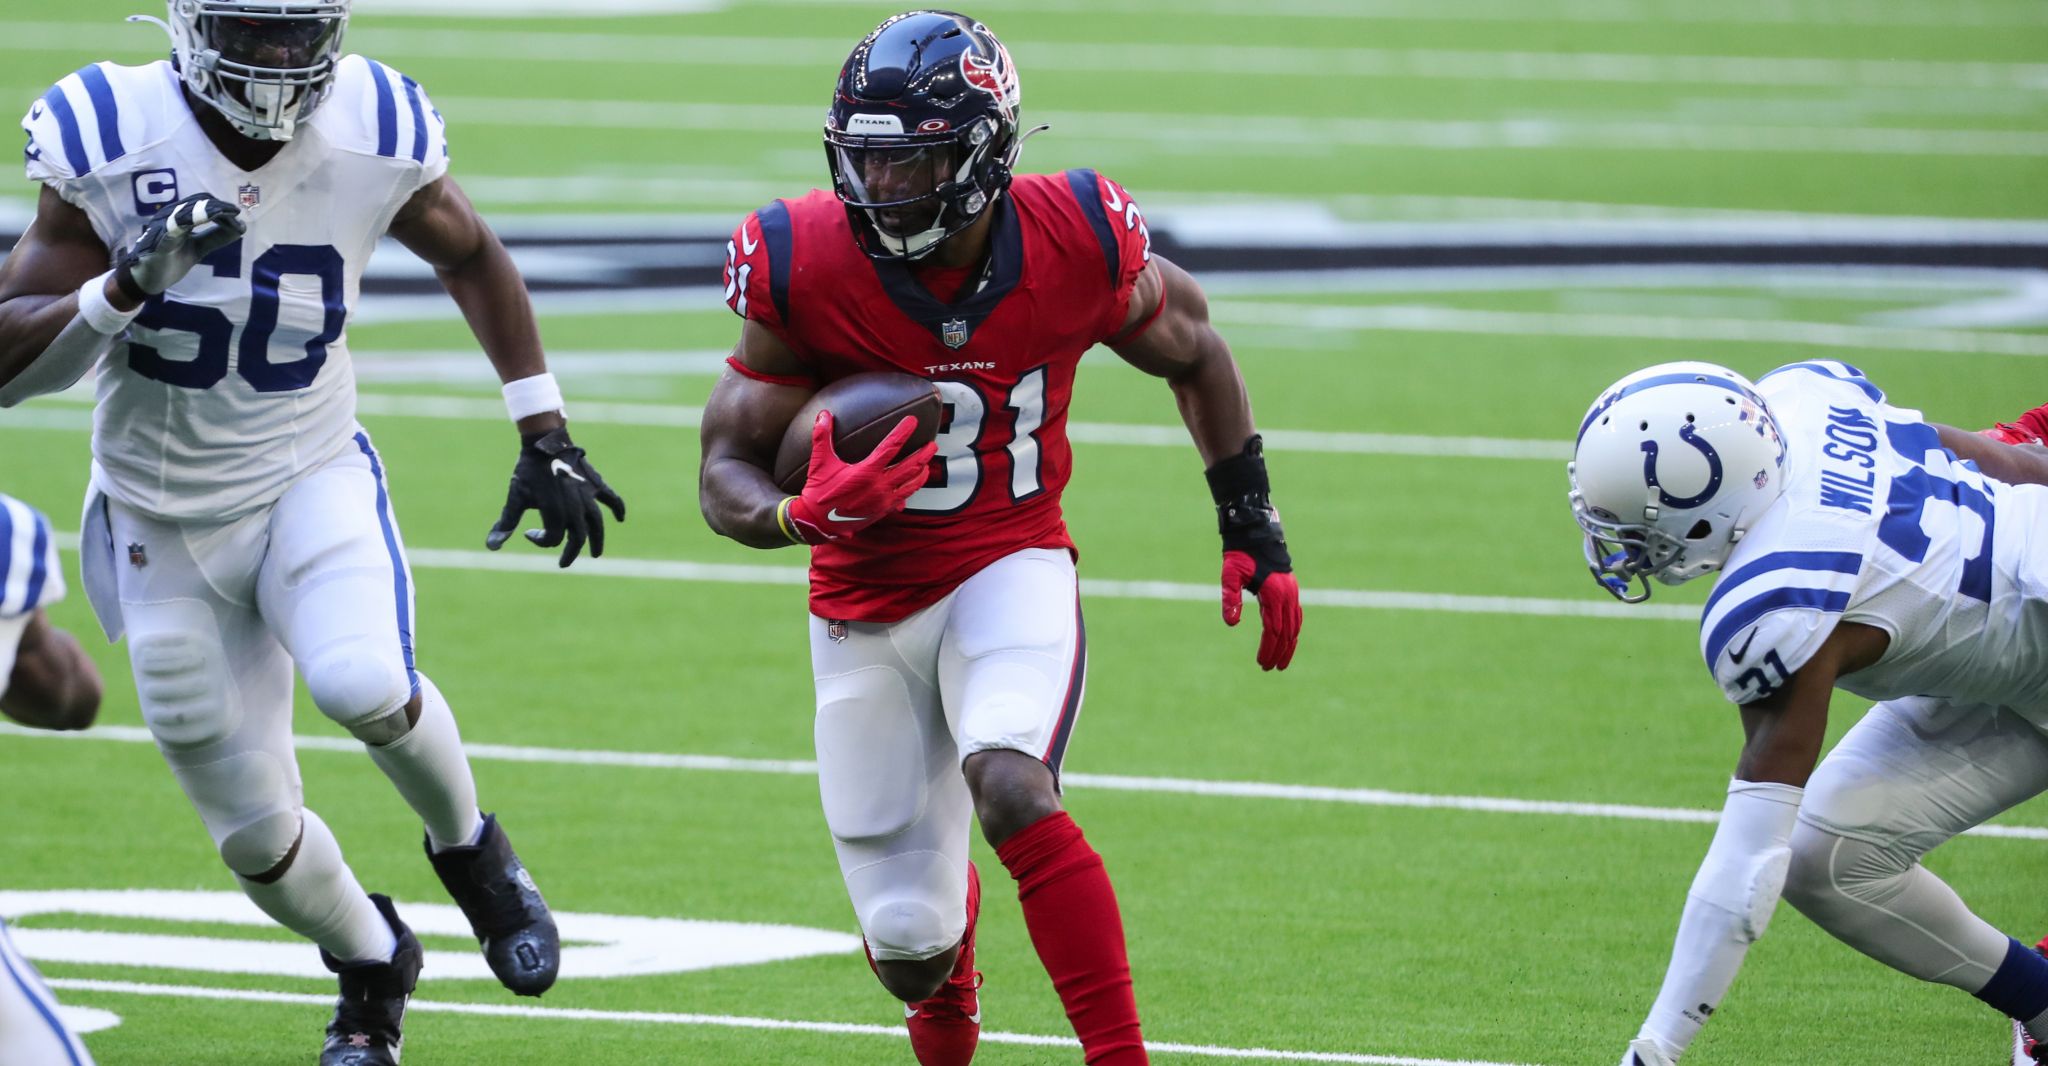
point(1913, 773)
point(31, 1033)
point(1000, 663)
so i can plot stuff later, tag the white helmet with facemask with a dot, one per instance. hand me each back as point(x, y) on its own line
point(263, 66)
point(1673, 465)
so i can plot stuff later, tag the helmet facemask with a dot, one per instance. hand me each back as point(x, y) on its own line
point(916, 190)
point(263, 66)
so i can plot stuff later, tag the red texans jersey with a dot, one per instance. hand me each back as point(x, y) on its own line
point(1066, 252)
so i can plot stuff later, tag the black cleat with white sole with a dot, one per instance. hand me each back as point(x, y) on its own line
point(371, 1011)
point(505, 910)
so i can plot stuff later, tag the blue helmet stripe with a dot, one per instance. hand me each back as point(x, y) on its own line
point(419, 120)
point(1781, 562)
point(106, 109)
point(387, 112)
point(1743, 617)
point(1634, 387)
point(67, 127)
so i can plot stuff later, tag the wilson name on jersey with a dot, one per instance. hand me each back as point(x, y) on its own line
point(1882, 526)
point(1066, 251)
point(235, 382)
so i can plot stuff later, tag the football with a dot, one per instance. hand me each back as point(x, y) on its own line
point(865, 407)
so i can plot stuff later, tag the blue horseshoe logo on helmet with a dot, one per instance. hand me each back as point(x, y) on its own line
point(1686, 434)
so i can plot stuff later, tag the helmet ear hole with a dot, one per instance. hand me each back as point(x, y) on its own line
point(1700, 530)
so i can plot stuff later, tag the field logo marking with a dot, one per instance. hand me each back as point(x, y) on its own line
point(594, 945)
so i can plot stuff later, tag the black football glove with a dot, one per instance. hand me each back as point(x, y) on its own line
point(174, 242)
point(554, 478)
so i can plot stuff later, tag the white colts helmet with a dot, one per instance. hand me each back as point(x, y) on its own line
point(1673, 465)
point(265, 66)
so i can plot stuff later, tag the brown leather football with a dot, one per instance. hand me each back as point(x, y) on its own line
point(865, 407)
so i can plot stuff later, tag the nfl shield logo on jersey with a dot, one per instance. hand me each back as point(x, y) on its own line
point(138, 556)
point(249, 195)
point(953, 332)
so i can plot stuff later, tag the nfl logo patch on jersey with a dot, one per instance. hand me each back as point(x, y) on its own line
point(138, 556)
point(249, 195)
point(953, 332)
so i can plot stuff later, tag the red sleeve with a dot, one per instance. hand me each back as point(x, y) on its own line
point(751, 270)
point(1120, 230)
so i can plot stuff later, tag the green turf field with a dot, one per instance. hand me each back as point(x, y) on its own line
point(1298, 910)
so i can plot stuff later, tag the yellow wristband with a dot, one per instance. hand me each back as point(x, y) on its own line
point(782, 519)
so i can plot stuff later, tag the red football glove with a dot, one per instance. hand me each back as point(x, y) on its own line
point(1279, 607)
point(1255, 553)
point(840, 498)
point(2029, 428)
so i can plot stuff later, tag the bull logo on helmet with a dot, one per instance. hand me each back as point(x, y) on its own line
point(996, 76)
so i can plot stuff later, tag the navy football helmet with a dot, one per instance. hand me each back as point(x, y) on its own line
point(922, 134)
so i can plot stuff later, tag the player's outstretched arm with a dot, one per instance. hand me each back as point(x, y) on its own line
point(1743, 876)
point(744, 421)
point(2014, 464)
point(552, 474)
point(1168, 334)
point(54, 685)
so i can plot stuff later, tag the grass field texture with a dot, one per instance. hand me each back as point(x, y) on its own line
point(1299, 868)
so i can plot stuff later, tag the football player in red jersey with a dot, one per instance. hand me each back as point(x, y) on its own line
point(946, 636)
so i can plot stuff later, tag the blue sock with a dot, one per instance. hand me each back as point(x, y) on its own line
point(2019, 989)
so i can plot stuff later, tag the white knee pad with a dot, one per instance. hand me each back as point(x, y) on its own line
point(357, 684)
point(181, 678)
point(871, 755)
point(249, 801)
point(1833, 872)
point(912, 905)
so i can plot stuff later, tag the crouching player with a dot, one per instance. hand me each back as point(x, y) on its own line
point(1857, 550)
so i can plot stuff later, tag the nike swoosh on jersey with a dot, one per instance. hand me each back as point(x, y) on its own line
point(1735, 655)
point(560, 468)
point(747, 242)
point(835, 516)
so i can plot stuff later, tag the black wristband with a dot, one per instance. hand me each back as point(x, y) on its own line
point(124, 280)
point(1239, 484)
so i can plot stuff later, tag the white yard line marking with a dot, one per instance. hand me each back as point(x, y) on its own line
point(825, 53)
point(1093, 588)
point(1176, 131)
point(1950, 16)
point(1180, 786)
point(729, 1021)
point(681, 416)
point(1424, 319)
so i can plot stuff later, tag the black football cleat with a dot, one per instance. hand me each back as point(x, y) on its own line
point(371, 1011)
point(505, 910)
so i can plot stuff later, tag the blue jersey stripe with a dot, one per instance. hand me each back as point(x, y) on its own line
point(419, 120)
point(401, 589)
point(779, 235)
point(67, 127)
point(38, 565)
point(31, 989)
point(1087, 186)
point(106, 109)
point(387, 112)
point(1854, 377)
point(1743, 617)
point(1634, 387)
point(1779, 562)
point(6, 547)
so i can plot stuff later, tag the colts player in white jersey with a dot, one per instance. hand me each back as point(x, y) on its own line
point(1859, 549)
point(45, 682)
point(239, 524)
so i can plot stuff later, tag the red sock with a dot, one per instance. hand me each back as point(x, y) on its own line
point(1070, 909)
